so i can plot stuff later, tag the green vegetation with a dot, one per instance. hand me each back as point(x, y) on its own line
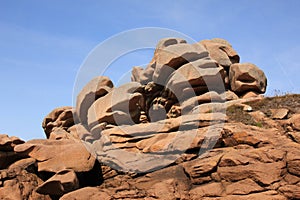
point(259, 124)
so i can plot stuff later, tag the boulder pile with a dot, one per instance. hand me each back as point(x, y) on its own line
point(191, 125)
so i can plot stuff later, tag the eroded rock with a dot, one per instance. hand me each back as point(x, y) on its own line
point(95, 89)
point(153, 140)
point(247, 77)
point(221, 51)
point(56, 155)
point(60, 119)
point(61, 183)
point(118, 107)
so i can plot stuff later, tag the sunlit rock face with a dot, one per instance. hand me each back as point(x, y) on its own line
point(182, 84)
point(191, 125)
point(247, 77)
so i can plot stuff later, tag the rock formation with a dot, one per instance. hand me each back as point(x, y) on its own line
point(191, 125)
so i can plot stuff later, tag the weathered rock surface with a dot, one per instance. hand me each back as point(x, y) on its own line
point(62, 182)
point(173, 57)
point(247, 77)
point(192, 125)
point(280, 113)
point(56, 155)
point(295, 121)
point(187, 81)
point(19, 182)
point(58, 121)
point(95, 89)
point(8, 143)
point(221, 51)
point(250, 163)
point(22, 187)
point(144, 76)
point(7, 154)
point(118, 107)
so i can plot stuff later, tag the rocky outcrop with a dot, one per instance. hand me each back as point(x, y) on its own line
point(19, 181)
point(191, 125)
point(7, 154)
point(20, 185)
point(62, 182)
point(57, 122)
point(56, 155)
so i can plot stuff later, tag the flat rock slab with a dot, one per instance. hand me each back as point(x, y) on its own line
point(56, 155)
point(280, 113)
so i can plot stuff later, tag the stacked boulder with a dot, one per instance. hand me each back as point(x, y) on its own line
point(179, 79)
point(173, 53)
point(165, 135)
point(208, 71)
point(182, 85)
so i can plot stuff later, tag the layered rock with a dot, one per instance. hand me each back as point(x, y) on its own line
point(191, 125)
point(56, 155)
point(7, 154)
point(57, 122)
point(248, 163)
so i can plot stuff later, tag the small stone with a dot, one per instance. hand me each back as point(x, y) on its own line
point(280, 113)
point(247, 108)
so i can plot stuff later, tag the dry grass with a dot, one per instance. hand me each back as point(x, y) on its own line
point(236, 113)
point(290, 101)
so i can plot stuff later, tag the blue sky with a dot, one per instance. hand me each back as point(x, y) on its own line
point(44, 43)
